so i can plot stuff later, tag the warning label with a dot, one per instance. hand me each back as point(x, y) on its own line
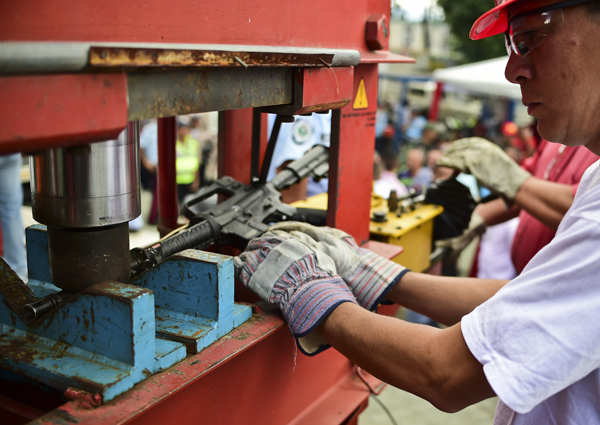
point(360, 100)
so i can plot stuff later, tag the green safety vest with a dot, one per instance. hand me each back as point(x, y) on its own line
point(188, 160)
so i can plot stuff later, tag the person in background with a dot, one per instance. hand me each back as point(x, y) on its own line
point(149, 163)
point(11, 200)
point(187, 162)
point(385, 177)
point(556, 172)
point(416, 176)
point(208, 147)
point(413, 130)
point(292, 143)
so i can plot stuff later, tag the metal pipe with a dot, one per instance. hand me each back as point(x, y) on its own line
point(89, 185)
point(168, 207)
point(41, 306)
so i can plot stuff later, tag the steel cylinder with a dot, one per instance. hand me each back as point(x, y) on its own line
point(86, 256)
point(88, 186)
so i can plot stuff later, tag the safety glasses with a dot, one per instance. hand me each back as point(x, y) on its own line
point(528, 30)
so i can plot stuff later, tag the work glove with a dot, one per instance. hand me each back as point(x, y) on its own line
point(490, 165)
point(302, 281)
point(369, 276)
point(477, 227)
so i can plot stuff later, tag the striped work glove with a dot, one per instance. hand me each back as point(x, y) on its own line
point(369, 275)
point(302, 281)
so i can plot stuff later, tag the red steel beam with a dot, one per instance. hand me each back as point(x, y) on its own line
point(168, 206)
point(47, 111)
point(235, 143)
point(254, 22)
point(351, 157)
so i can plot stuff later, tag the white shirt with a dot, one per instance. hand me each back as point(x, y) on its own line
point(296, 138)
point(494, 260)
point(538, 338)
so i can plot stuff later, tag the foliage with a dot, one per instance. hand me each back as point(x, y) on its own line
point(460, 16)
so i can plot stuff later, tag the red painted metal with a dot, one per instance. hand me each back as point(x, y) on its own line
point(252, 375)
point(351, 162)
point(377, 32)
point(13, 411)
point(309, 23)
point(235, 144)
point(434, 110)
point(168, 207)
point(323, 88)
point(41, 112)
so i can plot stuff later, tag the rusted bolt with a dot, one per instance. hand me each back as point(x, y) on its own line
point(241, 62)
point(377, 32)
point(324, 63)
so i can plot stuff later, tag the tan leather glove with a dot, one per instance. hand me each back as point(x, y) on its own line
point(488, 163)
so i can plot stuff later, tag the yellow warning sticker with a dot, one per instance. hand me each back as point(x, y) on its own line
point(360, 100)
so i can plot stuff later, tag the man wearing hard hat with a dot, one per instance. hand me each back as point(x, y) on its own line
point(534, 341)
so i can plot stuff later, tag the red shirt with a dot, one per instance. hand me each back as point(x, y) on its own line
point(556, 163)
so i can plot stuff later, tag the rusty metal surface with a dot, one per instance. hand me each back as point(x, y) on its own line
point(106, 56)
point(19, 57)
point(14, 292)
point(254, 372)
point(80, 258)
point(180, 92)
point(146, 395)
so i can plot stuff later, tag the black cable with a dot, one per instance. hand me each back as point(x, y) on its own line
point(385, 409)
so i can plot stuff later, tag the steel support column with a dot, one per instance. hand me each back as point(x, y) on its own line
point(168, 207)
point(235, 143)
point(351, 161)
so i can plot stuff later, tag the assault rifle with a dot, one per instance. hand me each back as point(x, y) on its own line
point(244, 215)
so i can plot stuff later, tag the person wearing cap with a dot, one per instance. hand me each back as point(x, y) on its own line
point(534, 341)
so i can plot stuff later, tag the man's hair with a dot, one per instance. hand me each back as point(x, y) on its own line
point(593, 10)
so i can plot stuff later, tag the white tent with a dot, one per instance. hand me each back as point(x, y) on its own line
point(485, 77)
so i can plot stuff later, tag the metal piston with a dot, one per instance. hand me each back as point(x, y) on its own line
point(86, 195)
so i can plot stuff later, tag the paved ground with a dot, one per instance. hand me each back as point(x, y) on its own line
point(407, 409)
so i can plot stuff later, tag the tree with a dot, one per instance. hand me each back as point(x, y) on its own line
point(460, 16)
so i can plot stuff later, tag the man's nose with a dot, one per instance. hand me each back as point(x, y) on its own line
point(518, 70)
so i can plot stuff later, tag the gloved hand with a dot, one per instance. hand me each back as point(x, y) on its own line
point(369, 275)
point(477, 227)
point(490, 165)
point(302, 281)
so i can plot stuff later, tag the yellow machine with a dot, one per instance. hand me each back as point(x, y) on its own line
point(411, 227)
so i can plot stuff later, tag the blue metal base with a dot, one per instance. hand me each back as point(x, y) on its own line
point(113, 335)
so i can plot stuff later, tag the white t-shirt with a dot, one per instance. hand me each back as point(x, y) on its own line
point(538, 338)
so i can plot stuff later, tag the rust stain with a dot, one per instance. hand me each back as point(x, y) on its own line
point(148, 57)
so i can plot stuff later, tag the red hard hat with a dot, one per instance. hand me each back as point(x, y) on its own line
point(494, 21)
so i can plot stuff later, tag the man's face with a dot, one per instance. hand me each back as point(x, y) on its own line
point(414, 160)
point(560, 80)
